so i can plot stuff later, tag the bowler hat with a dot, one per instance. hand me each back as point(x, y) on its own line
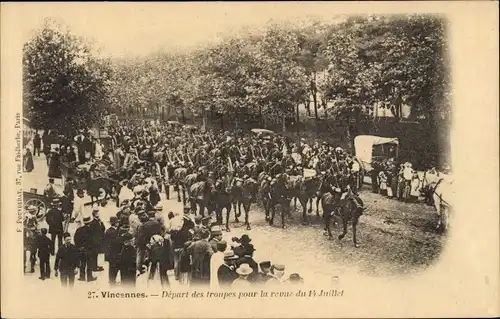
point(245, 239)
point(151, 213)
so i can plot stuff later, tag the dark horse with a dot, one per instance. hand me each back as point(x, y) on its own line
point(274, 193)
point(221, 200)
point(244, 193)
point(94, 187)
point(304, 189)
point(346, 209)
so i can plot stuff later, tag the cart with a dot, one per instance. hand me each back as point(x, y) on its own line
point(41, 202)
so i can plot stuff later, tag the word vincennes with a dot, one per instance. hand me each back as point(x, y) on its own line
point(226, 295)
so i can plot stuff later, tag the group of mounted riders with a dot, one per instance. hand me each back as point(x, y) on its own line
point(224, 171)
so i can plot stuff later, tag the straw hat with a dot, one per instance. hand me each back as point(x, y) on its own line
point(244, 270)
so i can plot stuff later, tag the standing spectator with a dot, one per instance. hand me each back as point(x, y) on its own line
point(55, 164)
point(79, 207)
point(49, 190)
point(37, 143)
point(226, 273)
point(55, 221)
point(28, 160)
point(242, 282)
point(84, 243)
point(216, 235)
point(184, 265)
point(67, 261)
point(160, 257)
point(30, 225)
point(216, 261)
point(201, 251)
point(127, 261)
point(112, 248)
point(46, 146)
point(44, 245)
point(247, 258)
point(277, 272)
point(97, 229)
point(145, 231)
point(265, 273)
point(179, 228)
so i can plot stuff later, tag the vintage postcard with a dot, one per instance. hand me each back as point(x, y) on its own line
point(249, 160)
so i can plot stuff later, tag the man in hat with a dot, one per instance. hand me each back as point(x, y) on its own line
point(97, 228)
point(216, 234)
point(277, 273)
point(265, 273)
point(127, 261)
point(79, 207)
point(216, 261)
point(85, 245)
point(295, 279)
point(247, 258)
point(226, 273)
point(55, 219)
point(201, 252)
point(158, 208)
point(67, 260)
point(49, 190)
point(30, 224)
point(112, 248)
point(242, 282)
point(145, 231)
point(44, 246)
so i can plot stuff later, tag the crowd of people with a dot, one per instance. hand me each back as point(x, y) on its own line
point(140, 240)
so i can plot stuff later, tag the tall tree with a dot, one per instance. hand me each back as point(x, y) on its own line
point(64, 84)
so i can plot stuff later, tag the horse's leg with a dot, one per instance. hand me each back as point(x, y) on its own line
point(310, 200)
point(317, 204)
point(228, 214)
point(344, 224)
point(266, 209)
point(246, 207)
point(284, 210)
point(303, 203)
point(167, 190)
point(327, 224)
point(354, 226)
point(236, 215)
point(178, 193)
point(273, 211)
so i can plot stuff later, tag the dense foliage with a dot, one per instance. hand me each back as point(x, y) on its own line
point(357, 64)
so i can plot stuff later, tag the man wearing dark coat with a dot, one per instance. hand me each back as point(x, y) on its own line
point(85, 245)
point(97, 228)
point(227, 272)
point(201, 252)
point(127, 260)
point(44, 246)
point(55, 219)
point(67, 260)
point(112, 248)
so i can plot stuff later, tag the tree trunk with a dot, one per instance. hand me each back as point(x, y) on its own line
point(183, 116)
point(314, 92)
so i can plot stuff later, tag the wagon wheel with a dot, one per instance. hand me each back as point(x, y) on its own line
point(41, 208)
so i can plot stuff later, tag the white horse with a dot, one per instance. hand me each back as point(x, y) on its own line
point(441, 187)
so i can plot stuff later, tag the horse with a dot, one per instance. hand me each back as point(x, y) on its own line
point(304, 189)
point(244, 194)
point(201, 193)
point(177, 177)
point(222, 199)
point(94, 186)
point(346, 209)
point(438, 189)
point(274, 193)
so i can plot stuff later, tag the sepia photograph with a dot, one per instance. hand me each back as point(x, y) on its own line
point(176, 152)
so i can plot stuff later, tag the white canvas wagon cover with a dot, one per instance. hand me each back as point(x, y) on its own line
point(363, 146)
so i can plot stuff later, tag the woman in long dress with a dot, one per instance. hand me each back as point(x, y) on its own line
point(55, 165)
point(28, 160)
